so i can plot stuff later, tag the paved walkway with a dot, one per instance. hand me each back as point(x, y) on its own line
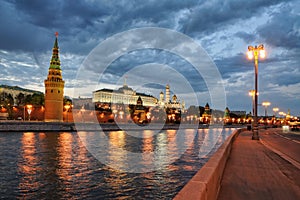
point(255, 172)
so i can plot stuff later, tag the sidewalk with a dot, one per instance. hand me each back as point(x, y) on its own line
point(255, 172)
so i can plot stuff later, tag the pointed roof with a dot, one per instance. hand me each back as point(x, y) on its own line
point(55, 44)
point(55, 62)
point(207, 106)
point(139, 101)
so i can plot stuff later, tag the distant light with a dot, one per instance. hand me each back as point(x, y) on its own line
point(266, 103)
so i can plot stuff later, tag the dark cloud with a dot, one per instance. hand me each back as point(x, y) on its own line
point(248, 38)
point(283, 29)
point(62, 14)
point(236, 63)
point(211, 16)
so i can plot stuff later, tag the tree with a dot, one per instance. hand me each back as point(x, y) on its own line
point(20, 99)
point(6, 99)
point(37, 99)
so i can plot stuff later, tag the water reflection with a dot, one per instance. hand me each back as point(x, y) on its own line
point(28, 165)
point(64, 151)
point(116, 154)
point(58, 165)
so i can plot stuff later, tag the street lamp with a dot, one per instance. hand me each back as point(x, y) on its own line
point(255, 52)
point(29, 109)
point(67, 107)
point(275, 110)
point(266, 104)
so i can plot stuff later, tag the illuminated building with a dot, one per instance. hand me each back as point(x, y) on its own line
point(170, 104)
point(54, 88)
point(124, 95)
point(206, 116)
point(139, 115)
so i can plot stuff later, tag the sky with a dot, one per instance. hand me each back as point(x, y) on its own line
point(152, 43)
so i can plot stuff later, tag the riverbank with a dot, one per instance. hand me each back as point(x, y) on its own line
point(20, 126)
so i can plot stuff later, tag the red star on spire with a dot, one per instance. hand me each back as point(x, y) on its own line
point(56, 34)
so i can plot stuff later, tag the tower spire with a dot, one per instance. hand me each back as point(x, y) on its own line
point(55, 62)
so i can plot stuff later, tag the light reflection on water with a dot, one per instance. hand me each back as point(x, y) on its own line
point(57, 165)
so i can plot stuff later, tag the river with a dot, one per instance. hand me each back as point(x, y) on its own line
point(60, 165)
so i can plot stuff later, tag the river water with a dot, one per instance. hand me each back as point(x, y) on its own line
point(58, 165)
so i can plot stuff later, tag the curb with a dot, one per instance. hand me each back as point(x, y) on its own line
point(205, 184)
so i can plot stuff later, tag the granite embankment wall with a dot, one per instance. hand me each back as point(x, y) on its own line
point(206, 183)
point(21, 126)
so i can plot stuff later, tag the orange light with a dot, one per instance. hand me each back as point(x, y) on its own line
point(251, 93)
point(67, 107)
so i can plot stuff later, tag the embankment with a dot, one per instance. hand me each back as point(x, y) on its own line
point(206, 183)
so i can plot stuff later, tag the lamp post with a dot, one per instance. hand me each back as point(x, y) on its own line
point(252, 94)
point(24, 112)
point(254, 52)
point(29, 109)
point(67, 107)
point(275, 110)
point(266, 104)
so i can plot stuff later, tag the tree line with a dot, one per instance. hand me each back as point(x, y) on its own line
point(7, 99)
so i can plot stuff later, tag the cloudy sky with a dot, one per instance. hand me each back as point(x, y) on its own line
point(93, 32)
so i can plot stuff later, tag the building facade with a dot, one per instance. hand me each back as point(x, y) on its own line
point(168, 103)
point(124, 95)
point(54, 88)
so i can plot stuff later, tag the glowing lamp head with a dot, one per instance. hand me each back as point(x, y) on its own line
point(266, 103)
point(67, 107)
point(250, 54)
point(262, 53)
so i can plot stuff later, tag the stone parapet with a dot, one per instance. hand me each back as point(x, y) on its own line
point(206, 183)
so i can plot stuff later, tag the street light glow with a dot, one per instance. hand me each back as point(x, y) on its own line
point(67, 107)
point(251, 93)
point(266, 103)
point(262, 53)
point(250, 55)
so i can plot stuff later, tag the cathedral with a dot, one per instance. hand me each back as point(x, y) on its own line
point(166, 102)
point(54, 88)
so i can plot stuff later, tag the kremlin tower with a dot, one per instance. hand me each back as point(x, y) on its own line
point(54, 88)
